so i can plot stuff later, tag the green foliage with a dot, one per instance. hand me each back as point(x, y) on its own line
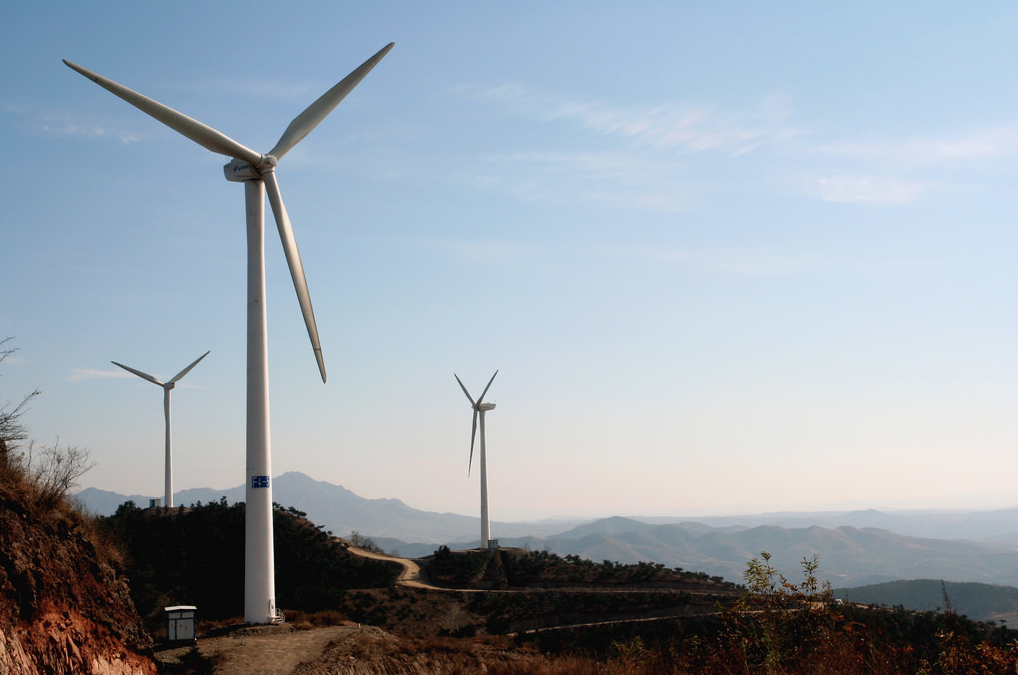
point(458, 567)
point(779, 622)
point(976, 600)
point(529, 568)
point(195, 556)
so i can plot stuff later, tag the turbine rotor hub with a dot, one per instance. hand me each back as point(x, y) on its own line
point(240, 170)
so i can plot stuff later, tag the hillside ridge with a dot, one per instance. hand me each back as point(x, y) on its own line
point(65, 606)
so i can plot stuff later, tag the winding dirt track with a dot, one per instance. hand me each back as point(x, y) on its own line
point(411, 574)
point(280, 649)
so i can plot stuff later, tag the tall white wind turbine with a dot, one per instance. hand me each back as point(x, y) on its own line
point(168, 481)
point(479, 409)
point(257, 172)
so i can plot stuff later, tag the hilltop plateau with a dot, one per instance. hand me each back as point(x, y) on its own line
point(353, 609)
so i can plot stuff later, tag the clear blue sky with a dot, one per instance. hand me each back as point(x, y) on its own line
point(727, 256)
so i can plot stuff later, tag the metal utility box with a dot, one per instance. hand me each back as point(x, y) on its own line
point(493, 544)
point(181, 623)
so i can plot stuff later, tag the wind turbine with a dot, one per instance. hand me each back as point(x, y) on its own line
point(479, 409)
point(168, 489)
point(257, 172)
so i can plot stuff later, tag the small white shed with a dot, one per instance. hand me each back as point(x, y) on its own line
point(181, 623)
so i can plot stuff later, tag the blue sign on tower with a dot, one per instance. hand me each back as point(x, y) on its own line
point(259, 481)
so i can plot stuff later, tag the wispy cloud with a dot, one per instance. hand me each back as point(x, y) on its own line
point(670, 126)
point(85, 374)
point(646, 154)
point(610, 178)
point(906, 170)
point(640, 156)
point(971, 145)
point(871, 189)
point(760, 262)
point(55, 126)
point(488, 252)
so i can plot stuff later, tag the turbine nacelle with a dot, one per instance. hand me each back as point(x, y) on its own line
point(240, 170)
point(485, 407)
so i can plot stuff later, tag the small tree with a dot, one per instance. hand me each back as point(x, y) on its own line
point(51, 471)
point(55, 472)
point(12, 431)
point(366, 543)
point(779, 625)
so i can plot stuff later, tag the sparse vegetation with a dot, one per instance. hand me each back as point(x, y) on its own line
point(12, 430)
point(48, 472)
point(783, 628)
point(510, 567)
point(368, 544)
point(63, 600)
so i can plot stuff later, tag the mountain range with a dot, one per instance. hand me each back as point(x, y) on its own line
point(977, 601)
point(855, 548)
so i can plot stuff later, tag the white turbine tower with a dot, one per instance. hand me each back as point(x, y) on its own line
point(168, 487)
point(257, 172)
point(479, 409)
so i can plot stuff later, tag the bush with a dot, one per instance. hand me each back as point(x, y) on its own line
point(54, 471)
point(12, 431)
point(50, 472)
point(366, 543)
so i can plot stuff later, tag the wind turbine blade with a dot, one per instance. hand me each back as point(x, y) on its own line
point(464, 389)
point(144, 376)
point(473, 433)
point(203, 135)
point(300, 283)
point(304, 123)
point(486, 388)
point(185, 371)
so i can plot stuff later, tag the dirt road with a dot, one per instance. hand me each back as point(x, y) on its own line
point(411, 574)
point(261, 650)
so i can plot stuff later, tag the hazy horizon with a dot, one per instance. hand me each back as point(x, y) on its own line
point(725, 258)
point(748, 511)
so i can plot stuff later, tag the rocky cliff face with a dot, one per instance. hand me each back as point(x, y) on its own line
point(64, 604)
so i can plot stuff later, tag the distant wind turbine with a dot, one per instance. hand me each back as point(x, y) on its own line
point(168, 488)
point(257, 172)
point(479, 409)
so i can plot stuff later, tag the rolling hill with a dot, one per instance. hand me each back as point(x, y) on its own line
point(850, 554)
point(982, 602)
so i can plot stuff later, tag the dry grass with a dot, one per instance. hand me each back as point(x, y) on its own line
point(317, 619)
